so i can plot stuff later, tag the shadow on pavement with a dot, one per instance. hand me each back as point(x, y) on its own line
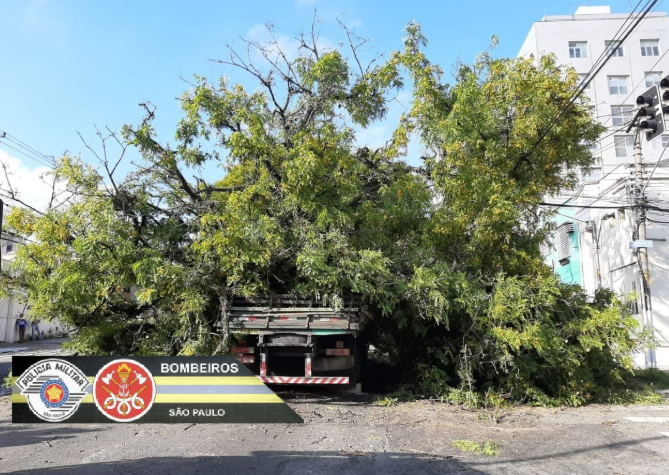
point(614, 448)
point(14, 436)
point(359, 463)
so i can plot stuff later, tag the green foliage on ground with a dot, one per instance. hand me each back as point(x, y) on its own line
point(445, 252)
point(489, 448)
point(7, 382)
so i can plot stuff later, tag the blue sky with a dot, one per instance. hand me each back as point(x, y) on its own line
point(66, 65)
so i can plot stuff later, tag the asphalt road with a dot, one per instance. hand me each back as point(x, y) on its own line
point(44, 347)
point(351, 435)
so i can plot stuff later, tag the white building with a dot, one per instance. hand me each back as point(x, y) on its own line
point(12, 307)
point(592, 247)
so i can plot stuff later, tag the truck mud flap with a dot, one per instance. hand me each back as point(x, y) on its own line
point(304, 380)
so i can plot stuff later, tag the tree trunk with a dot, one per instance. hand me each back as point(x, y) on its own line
point(225, 322)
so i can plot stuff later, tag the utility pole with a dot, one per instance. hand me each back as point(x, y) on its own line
point(652, 108)
point(2, 215)
point(640, 202)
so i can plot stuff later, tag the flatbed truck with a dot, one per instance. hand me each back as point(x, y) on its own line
point(296, 341)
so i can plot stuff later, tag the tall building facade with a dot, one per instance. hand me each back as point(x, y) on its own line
point(598, 220)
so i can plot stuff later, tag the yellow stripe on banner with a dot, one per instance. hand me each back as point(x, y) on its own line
point(185, 398)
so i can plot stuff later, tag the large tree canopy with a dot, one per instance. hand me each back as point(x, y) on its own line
point(445, 253)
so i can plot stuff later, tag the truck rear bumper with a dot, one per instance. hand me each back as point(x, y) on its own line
point(304, 380)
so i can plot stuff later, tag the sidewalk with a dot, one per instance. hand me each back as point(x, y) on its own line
point(32, 345)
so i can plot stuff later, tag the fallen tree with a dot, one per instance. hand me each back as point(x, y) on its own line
point(445, 252)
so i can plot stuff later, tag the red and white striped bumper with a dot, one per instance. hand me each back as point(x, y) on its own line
point(303, 380)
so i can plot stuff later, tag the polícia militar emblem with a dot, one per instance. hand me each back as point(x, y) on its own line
point(54, 388)
point(124, 390)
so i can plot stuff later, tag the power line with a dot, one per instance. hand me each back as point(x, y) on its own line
point(615, 42)
point(564, 205)
point(25, 149)
point(11, 137)
point(26, 154)
point(599, 64)
point(664, 149)
point(643, 79)
point(28, 151)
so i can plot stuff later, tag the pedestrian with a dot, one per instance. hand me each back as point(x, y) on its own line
point(35, 329)
point(21, 324)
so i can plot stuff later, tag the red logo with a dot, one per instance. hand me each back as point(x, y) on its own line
point(124, 390)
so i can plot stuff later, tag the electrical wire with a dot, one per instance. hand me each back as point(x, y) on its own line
point(599, 64)
point(644, 77)
point(664, 149)
point(25, 154)
point(25, 145)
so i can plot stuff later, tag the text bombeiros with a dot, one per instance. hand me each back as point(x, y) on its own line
point(199, 368)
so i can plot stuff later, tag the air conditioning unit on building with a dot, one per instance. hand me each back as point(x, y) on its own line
point(564, 242)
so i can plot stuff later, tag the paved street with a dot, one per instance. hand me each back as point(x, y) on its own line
point(39, 347)
point(349, 434)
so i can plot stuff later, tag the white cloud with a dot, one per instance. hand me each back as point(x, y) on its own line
point(26, 182)
point(31, 16)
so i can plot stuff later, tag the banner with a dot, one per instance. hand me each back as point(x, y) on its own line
point(99, 389)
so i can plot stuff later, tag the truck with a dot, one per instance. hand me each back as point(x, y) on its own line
point(289, 340)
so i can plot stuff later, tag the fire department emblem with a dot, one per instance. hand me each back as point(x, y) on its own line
point(124, 390)
point(54, 389)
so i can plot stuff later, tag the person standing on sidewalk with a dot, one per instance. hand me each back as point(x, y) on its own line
point(21, 324)
point(34, 326)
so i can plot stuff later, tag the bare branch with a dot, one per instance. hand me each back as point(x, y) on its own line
point(12, 192)
point(354, 47)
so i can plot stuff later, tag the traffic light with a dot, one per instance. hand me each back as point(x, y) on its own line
point(651, 111)
point(664, 86)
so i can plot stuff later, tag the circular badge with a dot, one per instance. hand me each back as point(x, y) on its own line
point(124, 390)
point(54, 388)
point(54, 393)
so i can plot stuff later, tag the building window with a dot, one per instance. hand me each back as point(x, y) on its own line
point(616, 47)
point(650, 47)
point(620, 114)
point(578, 49)
point(581, 78)
point(624, 145)
point(652, 78)
point(10, 248)
point(595, 174)
point(663, 143)
point(617, 84)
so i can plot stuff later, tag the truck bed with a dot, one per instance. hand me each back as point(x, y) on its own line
point(289, 313)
